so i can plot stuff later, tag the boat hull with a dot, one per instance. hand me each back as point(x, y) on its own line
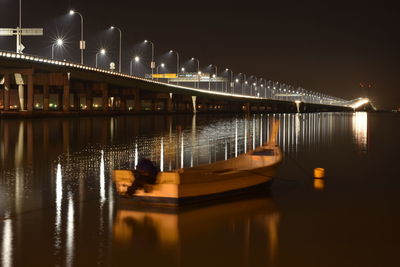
point(126, 201)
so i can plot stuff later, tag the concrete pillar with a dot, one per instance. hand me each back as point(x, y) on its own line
point(46, 97)
point(76, 102)
point(66, 96)
point(104, 90)
point(21, 97)
point(29, 104)
point(170, 104)
point(194, 104)
point(248, 107)
point(298, 106)
point(137, 101)
point(122, 105)
point(89, 99)
point(7, 88)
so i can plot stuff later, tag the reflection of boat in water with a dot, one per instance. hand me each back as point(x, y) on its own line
point(232, 233)
point(244, 173)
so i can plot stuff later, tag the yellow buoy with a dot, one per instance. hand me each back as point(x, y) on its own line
point(319, 173)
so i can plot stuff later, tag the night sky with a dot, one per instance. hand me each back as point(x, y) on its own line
point(323, 46)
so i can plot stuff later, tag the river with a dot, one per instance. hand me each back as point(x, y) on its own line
point(58, 206)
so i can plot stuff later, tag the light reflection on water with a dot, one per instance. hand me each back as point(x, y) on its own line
point(81, 153)
point(7, 242)
point(250, 224)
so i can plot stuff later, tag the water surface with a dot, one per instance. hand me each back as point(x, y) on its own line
point(58, 206)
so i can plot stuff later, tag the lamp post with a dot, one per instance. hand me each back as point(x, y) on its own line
point(177, 61)
point(59, 43)
point(216, 75)
point(152, 63)
point(82, 43)
point(120, 45)
point(19, 35)
point(136, 59)
point(255, 86)
point(231, 80)
point(101, 52)
point(198, 70)
point(265, 88)
point(244, 82)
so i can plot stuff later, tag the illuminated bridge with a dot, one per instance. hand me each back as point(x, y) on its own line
point(36, 86)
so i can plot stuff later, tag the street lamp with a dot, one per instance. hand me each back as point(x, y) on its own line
point(198, 70)
point(244, 81)
point(59, 42)
point(152, 63)
point(264, 86)
point(255, 86)
point(136, 59)
point(120, 44)
point(19, 35)
point(231, 80)
point(177, 61)
point(216, 74)
point(82, 43)
point(101, 52)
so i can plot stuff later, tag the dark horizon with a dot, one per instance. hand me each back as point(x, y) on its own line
point(325, 48)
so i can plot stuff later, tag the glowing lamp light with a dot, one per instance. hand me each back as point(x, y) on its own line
point(137, 59)
point(60, 42)
point(71, 12)
point(103, 51)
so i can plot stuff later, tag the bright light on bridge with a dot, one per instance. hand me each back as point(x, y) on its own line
point(359, 103)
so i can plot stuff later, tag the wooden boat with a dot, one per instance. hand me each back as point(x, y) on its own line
point(247, 172)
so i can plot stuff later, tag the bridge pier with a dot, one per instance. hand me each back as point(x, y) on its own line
point(21, 97)
point(170, 103)
point(89, 99)
point(66, 95)
point(6, 96)
point(137, 103)
point(46, 99)
point(122, 103)
point(194, 104)
point(104, 95)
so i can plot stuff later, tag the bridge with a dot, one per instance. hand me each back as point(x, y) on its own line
point(37, 86)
